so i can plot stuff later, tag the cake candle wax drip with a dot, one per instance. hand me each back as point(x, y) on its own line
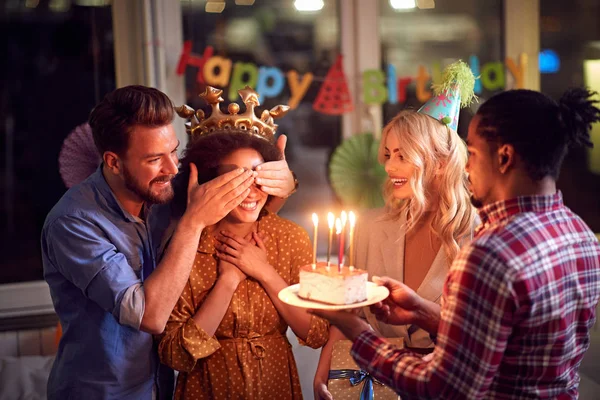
point(330, 223)
point(352, 220)
point(315, 219)
point(340, 239)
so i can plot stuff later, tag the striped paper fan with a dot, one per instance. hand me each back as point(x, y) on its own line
point(78, 156)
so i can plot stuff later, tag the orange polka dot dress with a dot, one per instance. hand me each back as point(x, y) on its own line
point(249, 357)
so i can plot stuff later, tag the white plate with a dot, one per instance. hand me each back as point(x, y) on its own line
point(289, 295)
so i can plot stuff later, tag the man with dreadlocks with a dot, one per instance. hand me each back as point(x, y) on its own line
point(519, 301)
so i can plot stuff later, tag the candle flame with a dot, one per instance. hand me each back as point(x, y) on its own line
point(330, 220)
point(315, 219)
point(352, 219)
point(344, 218)
point(338, 226)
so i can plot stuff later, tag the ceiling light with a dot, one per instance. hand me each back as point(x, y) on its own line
point(214, 6)
point(59, 5)
point(308, 5)
point(403, 4)
point(91, 3)
point(426, 4)
point(244, 2)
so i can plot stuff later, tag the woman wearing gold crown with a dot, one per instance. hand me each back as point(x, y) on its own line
point(227, 334)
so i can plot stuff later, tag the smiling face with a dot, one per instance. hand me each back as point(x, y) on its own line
point(398, 169)
point(249, 210)
point(150, 163)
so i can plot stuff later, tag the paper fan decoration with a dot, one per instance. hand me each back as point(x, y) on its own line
point(78, 156)
point(355, 174)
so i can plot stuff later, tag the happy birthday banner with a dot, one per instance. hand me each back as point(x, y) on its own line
point(334, 97)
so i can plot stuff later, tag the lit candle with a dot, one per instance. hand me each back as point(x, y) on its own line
point(331, 223)
point(315, 219)
point(340, 236)
point(344, 219)
point(352, 219)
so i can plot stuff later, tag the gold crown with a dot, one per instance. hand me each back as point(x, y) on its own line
point(263, 127)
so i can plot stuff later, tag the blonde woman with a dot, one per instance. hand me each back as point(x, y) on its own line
point(427, 217)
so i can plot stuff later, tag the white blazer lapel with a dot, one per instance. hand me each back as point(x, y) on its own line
point(431, 287)
point(392, 248)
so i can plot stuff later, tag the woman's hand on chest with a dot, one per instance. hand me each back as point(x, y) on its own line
point(248, 254)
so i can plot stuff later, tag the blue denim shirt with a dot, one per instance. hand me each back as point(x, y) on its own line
point(95, 257)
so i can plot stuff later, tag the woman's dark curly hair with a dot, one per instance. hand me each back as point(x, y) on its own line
point(207, 152)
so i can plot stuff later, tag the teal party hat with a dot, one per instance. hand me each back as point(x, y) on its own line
point(453, 93)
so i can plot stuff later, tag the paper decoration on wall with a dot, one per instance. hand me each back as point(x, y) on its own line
point(591, 78)
point(492, 75)
point(78, 156)
point(549, 62)
point(355, 173)
point(474, 64)
point(374, 92)
point(244, 74)
point(217, 71)
point(517, 70)
point(334, 96)
point(391, 84)
point(188, 58)
point(298, 88)
point(272, 89)
point(423, 94)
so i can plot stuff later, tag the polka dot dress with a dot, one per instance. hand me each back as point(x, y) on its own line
point(249, 357)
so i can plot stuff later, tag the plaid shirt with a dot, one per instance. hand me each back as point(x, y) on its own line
point(518, 304)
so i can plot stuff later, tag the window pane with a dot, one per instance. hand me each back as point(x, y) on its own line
point(570, 43)
point(470, 30)
point(60, 64)
point(273, 33)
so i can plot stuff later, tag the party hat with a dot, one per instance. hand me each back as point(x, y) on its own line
point(453, 93)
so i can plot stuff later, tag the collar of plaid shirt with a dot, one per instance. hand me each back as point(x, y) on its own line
point(504, 209)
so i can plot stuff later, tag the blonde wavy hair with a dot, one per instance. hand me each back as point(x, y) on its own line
point(439, 157)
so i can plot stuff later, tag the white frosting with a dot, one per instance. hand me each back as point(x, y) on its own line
point(336, 289)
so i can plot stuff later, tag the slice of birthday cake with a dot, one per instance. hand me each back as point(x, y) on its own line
point(329, 285)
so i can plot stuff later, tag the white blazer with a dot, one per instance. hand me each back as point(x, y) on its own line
point(379, 249)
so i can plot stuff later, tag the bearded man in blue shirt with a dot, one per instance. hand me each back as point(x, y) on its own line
point(99, 254)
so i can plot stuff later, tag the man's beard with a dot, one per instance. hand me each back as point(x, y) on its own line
point(145, 193)
point(476, 202)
